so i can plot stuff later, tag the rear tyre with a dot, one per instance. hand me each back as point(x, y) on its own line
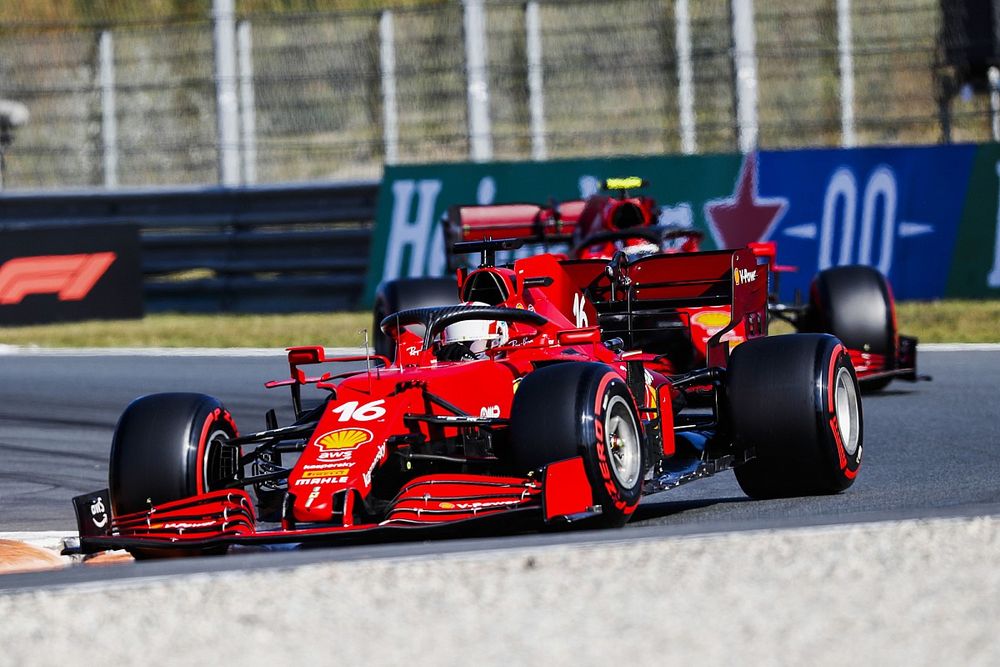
point(582, 409)
point(403, 294)
point(794, 399)
point(169, 447)
point(855, 304)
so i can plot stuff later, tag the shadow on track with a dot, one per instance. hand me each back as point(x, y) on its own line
point(657, 510)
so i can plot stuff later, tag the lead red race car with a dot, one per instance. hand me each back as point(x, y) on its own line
point(513, 410)
point(854, 303)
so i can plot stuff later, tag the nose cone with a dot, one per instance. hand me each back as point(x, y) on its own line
point(339, 458)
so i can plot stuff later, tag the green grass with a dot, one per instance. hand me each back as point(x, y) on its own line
point(930, 321)
point(171, 330)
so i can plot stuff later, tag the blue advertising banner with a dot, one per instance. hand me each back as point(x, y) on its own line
point(897, 209)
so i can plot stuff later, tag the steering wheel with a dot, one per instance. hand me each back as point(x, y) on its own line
point(437, 318)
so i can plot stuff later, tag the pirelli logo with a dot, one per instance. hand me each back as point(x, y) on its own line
point(313, 474)
point(69, 277)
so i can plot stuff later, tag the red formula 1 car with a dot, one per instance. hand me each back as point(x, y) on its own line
point(854, 303)
point(509, 412)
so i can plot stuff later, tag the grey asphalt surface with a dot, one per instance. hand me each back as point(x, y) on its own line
point(930, 450)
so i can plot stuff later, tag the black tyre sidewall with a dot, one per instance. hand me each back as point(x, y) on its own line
point(159, 448)
point(780, 394)
point(559, 413)
point(855, 304)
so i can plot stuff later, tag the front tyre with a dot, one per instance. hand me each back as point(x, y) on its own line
point(169, 447)
point(855, 304)
point(795, 401)
point(582, 409)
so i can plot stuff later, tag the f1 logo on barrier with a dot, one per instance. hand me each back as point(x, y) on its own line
point(70, 277)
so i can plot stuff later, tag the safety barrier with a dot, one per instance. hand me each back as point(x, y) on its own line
point(282, 248)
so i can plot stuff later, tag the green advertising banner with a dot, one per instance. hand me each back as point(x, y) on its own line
point(408, 241)
point(926, 216)
point(977, 248)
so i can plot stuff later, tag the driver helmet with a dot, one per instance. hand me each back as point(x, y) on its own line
point(479, 335)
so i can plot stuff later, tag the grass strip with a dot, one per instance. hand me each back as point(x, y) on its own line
point(950, 321)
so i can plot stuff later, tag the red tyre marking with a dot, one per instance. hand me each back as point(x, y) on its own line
point(220, 415)
point(837, 351)
point(602, 450)
point(833, 423)
point(202, 444)
point(608, 377)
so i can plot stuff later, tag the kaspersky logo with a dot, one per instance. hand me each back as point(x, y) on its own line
point(70, 277)
point(741, 276)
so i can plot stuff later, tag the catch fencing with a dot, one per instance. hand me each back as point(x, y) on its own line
point(228, 93)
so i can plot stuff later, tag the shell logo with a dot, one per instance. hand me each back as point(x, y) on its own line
point(446, 506)
point(711, 319)
point(344, 438)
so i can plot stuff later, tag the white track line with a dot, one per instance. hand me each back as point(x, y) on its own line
point(48, 539)
point(958, 347)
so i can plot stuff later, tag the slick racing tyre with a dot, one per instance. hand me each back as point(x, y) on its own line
point(582, 409)
point(169, 447)
point(854, 303)
point(403, 294)
point(794, 399)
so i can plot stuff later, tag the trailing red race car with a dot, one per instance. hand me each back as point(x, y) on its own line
point(508, 412)
point(854, 303)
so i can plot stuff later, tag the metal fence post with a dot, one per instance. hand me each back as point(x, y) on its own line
point(685, 78)
point(390, 110)
point(109, 118)
point(248, 112)
point(993, 74)
point(846, 49)
point(480, 133)
point(12, 115)
point(227, 104)
point(536, 88)
point(745, 71)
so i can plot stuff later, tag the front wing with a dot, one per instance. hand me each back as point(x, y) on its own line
point(427, 507)
point(873, 367)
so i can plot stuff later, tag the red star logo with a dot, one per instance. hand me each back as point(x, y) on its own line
point(744, 217)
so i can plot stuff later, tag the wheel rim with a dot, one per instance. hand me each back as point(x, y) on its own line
point(221, 460)
point(622, 437)
point(846, 409)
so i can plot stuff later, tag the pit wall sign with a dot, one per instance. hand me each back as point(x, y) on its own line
point(69, 273)
point(926, 217)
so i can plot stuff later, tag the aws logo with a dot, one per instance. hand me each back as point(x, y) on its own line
point(344, 438)
point(70, 277)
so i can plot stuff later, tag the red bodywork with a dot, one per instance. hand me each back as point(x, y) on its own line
point(600, 216)
point(361, 468)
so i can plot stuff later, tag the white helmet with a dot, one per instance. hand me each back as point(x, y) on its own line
point(480, 334)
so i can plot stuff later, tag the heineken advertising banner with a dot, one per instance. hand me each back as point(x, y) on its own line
point(927, 217)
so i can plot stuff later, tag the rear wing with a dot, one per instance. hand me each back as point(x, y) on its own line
point(531, 222)
point(641, 299)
